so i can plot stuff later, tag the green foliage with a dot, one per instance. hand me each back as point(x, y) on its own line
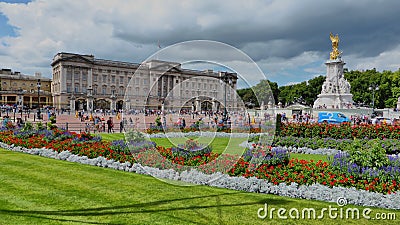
point(278, 124)
point(307, 90)
point(50, 126)
point(262, 92)
point(247, 95)
point(391, 146)
point(53, 119)
point(386, 97)
point(374, 156)
point(388, 82)
point(134, 136)
point(190, 149)
point(40, 126)
point(344, 130)
point(27, 126)
point(158, 121)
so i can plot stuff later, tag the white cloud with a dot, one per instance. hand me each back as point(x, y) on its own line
point(286, 38)
point(388, 60)
point(291, 83)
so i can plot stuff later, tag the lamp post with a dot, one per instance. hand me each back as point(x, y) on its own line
point(113, 101)
point(227, 80)
point(21, 101)
point(90, 103)
point(38, 93)
point(373, 88)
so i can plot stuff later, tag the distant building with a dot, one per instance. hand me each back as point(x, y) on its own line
point(79, 80)
point(17, 89)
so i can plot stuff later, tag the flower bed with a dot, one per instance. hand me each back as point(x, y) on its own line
point(260, 162)
point(342, 131)
point(252, 184)
point(391, 146)
point(153, 129)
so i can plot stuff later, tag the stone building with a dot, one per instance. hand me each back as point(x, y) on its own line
point(85, 82)
point(21, 90)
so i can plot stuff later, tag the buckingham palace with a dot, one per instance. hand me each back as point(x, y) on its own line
point(83, 82)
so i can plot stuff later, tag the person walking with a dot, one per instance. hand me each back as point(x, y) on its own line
point(121, 126)
point(110, 125)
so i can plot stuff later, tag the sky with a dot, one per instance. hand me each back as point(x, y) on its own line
point(288, 39)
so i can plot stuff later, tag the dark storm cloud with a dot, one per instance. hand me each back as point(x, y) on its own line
point(366, 28)
point(285, 37)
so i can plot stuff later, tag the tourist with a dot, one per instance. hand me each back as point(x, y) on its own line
point(110, 125)
point(5, 121)
point(183, 123)
point(20, 123)
point(121, 126)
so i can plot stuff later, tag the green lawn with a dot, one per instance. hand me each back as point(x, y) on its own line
point(37, 190)
point(230, 145)
point(112, 136)
point(309, 157)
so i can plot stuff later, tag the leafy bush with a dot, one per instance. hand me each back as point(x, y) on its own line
point(140, 146)
point(261, 154)
point(190, 149)
point(39, 126)
point(134, 136)
point(53, 119)
point(372, 157)
point(344, 130)
point(158, 121)
point(391, 146)
point(27, 126)
point(51, 126)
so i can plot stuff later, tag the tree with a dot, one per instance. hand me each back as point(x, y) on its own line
point(360, 81)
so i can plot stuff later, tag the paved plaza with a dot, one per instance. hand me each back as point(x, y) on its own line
point(73, 122)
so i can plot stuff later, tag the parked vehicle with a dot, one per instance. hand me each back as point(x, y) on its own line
point(381, 120)
point(332, 117)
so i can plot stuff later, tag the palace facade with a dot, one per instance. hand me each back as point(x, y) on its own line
point(21, 90)
point(85, 82)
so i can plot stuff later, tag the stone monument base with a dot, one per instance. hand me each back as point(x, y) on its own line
point(333, 101)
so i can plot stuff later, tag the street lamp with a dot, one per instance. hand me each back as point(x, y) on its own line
point(21, 100)
point(38, 93)
point(113, 101)
point(90, 103)
point(227, 80)
point(373, 88)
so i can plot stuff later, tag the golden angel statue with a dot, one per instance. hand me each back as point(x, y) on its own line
point(335, 44)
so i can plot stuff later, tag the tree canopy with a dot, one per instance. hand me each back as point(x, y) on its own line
point(306, 92)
